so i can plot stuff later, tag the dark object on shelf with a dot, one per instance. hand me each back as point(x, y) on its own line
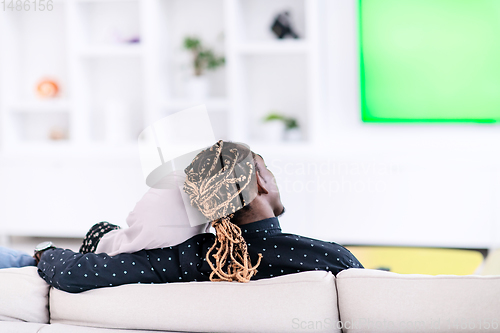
point(133, 40)
point(282, 27)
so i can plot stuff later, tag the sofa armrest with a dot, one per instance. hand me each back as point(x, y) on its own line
point(24, 295)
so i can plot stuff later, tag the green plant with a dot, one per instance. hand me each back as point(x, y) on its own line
point(290, 123)
point(203, 58)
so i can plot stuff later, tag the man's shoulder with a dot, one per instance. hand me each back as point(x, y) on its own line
point(304, 238)
point(311, 242)
point(325, 251)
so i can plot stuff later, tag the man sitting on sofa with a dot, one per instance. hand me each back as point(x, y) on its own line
point(234, 189)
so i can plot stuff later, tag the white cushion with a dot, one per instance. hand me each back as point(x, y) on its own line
point(61, 328)
point(20, 327)
point(378, 301)
point(280, 304)
point(23, 295)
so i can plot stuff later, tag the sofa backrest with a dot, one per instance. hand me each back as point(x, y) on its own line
point(298, 302)
point(23, 295)
point(378, 301)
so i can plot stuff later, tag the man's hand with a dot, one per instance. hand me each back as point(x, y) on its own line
point(38, 255)
point(40, 249)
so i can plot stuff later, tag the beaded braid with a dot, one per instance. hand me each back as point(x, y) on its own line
point(217, 192)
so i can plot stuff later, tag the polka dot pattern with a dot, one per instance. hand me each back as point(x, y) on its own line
point(95, 234)
point(282, 254)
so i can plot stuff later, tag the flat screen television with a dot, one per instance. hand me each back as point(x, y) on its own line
point(430, 60)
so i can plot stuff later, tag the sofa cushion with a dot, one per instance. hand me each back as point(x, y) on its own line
point(24, 295)
point(279, 304)
point(62, 328)
point(20, 327)
point(379, 301)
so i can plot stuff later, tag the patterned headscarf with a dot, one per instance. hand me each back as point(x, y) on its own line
point(220, 181)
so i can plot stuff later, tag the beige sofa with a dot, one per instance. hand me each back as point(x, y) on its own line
point(359, 300)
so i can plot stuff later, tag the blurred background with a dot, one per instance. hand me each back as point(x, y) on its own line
point(377, 117)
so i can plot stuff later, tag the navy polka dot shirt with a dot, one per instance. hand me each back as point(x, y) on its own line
point(282, 254)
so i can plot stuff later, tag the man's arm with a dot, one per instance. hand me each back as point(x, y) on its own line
point(76, 272)
point(332, 257)
point(346, 257)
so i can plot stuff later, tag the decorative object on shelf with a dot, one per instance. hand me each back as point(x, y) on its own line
point(273, 131)
point(116, 36)
point(203, 59)
point(293, 134)
point(132, 40)
point(47, 88)
point(197, 88)
point(280, 127)
point(116, 115)
point(57, 133)
point(282, 27)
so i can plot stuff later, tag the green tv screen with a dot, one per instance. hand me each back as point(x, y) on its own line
point(430, 60)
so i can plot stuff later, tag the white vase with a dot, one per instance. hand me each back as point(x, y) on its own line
point(273, 131)
point(197, 88)
point(293, 135)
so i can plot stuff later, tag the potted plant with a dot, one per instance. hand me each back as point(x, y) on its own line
point(203, 59)
point(283, 127)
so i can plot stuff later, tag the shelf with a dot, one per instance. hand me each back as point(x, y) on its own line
point(212, 104)
point(60, 148)
point(41, 106)
point(118, 50)
point(285, 46)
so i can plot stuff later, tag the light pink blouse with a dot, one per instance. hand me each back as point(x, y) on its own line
point(158, 220)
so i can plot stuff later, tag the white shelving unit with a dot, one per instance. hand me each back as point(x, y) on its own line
point(289, 67)
point(279, 47)
point(120, 66)
point(110, 82)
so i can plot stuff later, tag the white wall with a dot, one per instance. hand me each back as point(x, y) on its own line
point(394, 184)
point(63, 195)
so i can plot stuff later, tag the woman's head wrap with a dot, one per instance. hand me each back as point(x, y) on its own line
point(219, 181)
